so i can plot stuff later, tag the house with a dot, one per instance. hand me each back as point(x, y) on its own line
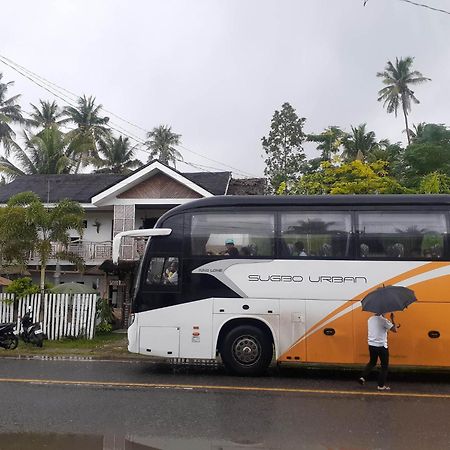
point(115, 203)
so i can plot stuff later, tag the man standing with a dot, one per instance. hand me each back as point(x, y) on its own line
point(378, 327)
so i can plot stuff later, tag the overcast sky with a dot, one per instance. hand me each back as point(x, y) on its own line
point(217, 70)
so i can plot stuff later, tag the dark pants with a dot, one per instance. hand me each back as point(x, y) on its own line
point(375, 353)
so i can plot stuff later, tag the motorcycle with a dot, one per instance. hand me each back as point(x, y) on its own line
point(31, 331)
point(8, 338)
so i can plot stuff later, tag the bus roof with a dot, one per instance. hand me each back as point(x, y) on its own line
point(312, 200)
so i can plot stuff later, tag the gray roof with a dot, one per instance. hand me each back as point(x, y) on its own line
point(82, 187)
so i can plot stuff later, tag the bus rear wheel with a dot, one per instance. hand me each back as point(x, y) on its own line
point(246, 350)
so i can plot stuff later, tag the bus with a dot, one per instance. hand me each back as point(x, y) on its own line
point(254, 279)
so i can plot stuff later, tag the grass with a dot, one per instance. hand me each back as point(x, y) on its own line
point(110, 345)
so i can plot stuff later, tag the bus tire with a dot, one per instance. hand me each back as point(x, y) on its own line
point(246, 350)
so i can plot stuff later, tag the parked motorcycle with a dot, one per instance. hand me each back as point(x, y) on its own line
point(31, 331)
point(8, 338)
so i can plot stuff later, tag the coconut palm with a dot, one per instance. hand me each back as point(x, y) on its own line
point(91, 128)
point(115, 155)
point(45, 153)
point(397, 93)
point(161, 144)
point(359, 143)
point(10, 113)
point(47, 115)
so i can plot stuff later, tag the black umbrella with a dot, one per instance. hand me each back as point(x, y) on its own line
point(387, 299)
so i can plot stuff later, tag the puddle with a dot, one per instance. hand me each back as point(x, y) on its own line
point(56, 441)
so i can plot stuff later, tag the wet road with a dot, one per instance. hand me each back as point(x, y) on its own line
point(139, 405)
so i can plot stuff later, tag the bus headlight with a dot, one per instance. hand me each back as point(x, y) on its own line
point(131, 320)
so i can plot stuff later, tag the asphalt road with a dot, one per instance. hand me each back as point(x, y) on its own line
point(141, 405)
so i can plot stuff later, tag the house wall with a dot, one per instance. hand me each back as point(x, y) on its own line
point(105, 218)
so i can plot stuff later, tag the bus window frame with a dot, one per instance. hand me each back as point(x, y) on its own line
point(220, 210)
point(407, 210)
point(309, 209)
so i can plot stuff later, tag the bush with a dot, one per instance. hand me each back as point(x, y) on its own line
point(104, 316)
point(21, 287)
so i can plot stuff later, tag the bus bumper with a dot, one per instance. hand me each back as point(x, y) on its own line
point(133, 338)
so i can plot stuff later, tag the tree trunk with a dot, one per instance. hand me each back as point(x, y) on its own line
point(42, 284)
point(406, 123)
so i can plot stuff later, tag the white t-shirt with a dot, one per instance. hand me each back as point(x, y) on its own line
point(378, 327)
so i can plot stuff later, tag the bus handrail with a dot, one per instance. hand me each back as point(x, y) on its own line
point(135, 233)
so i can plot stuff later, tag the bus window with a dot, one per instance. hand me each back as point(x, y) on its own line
point(163, 271)
point(412, 235)
point(233, 234)
point(316, 234)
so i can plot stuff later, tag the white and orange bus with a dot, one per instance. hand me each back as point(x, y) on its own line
point(256, 279)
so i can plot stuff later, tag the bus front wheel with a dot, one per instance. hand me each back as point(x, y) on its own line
point(246, 350)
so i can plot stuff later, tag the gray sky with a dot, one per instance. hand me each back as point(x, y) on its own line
point(217, 70)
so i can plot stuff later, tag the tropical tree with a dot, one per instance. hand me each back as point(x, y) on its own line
point(91, 128)
point(359, 143)
point(161, 142)
point(330, 141)
point(50, 225)
point(16, 237)
point(48, 115)
point(283, 147)
point(115, 156)
point(435, 183)
point(355, 177)
point(10, 113)
point(49, 152)
point(397, 92)
point(430, 152)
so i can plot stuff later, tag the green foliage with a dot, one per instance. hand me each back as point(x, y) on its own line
point(435, 183)
point(429, 152)
point(397, 92)
point(355, 177)
point(49, 225)
point(104, 314)
point(283, 147)
point(359, 144)
point(17, 238)
point(161, 142)
point(115, 156)
point(10, 113)
point(330, 141)
point(22, 287)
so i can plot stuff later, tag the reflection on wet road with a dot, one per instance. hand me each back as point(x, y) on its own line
point(139, 405)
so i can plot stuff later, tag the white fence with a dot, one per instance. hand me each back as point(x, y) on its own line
point(61, 315)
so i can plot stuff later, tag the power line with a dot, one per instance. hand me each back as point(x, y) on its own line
point(426, 6)
point(61, 93)
point(422, 5)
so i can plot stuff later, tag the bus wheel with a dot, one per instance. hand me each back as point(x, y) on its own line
point(246, 350)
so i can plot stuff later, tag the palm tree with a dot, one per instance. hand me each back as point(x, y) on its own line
point(10, 113)
point(45, 153)
point(50, 225)
point(161, 142)
point(359, 143)
point(115, 156)
point(91, 128)
point(417, 131)
point(397, 93)
point(330, 141)
point(47, 115)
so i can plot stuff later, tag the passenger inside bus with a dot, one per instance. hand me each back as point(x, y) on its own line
point(171, 274)
point(299, 249)
point(231, 250)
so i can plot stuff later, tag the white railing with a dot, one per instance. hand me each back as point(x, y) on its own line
point(61, 315)
point(97, 251)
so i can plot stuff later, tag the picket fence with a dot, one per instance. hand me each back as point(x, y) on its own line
point(60, 315)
